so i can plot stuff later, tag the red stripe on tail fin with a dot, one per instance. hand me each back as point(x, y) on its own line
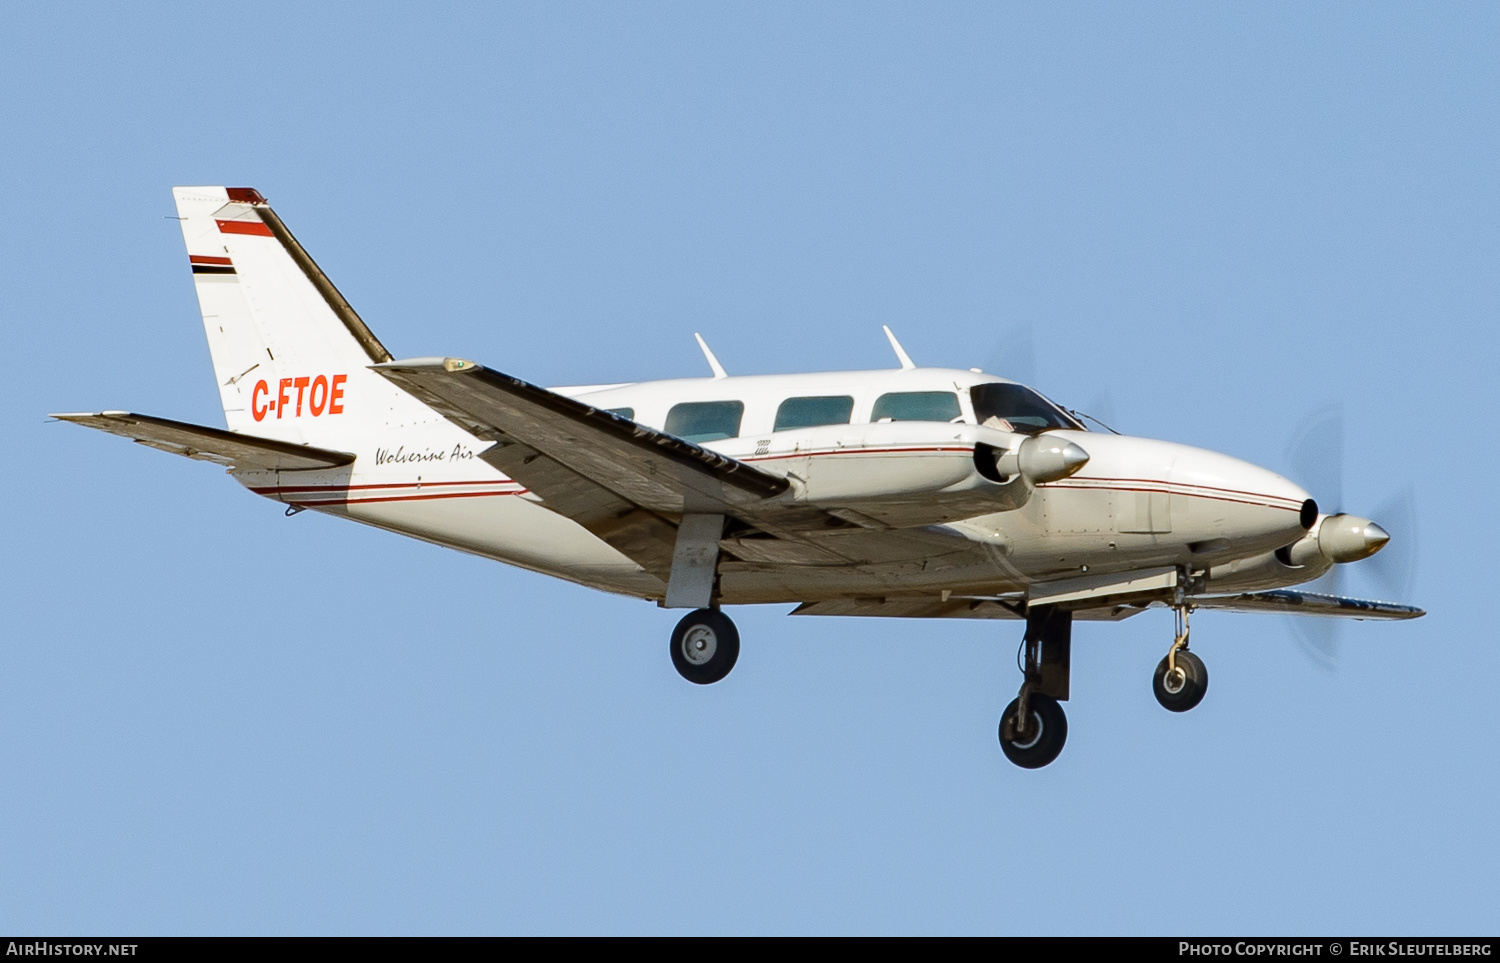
point(244, 227)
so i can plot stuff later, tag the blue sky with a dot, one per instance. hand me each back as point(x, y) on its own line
point(220, 720)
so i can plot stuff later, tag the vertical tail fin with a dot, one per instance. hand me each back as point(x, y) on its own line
point(291, 357)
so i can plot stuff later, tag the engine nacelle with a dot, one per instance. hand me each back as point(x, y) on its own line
point(1268, 570)
point(918, 473)
point(1334, 539)
point(1038, 458)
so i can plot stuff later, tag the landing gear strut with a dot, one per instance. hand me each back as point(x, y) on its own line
point(1181, 678)
point(1033, 727)
point(705, 645)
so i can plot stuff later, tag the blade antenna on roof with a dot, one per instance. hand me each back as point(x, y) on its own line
point(713, 362)
point(901, 355)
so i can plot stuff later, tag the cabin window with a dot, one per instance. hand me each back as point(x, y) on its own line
point(916, 406)
point(811, 412)
point(1013, 407)
point(700, 421)
point(628, 413)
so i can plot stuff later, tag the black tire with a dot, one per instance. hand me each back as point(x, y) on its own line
point(1032, 749)
point(1194, 683)
point(705, 646)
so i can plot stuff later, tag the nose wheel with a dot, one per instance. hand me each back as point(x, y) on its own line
point(1181, 679)
point(705, 646)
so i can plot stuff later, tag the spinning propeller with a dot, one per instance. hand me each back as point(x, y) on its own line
point(1316, 457)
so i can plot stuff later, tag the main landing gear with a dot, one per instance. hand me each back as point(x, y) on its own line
point(705, 645)
point(1033, 727)
point(1181, 678)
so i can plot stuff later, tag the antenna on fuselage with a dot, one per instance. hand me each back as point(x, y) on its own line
point(713, 362)
point(901, 355)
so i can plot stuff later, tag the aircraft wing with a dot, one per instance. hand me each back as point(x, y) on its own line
point(613, 476)
point(222, 447)
point(649, 468)
point(1308, 603)
point(1011, 607)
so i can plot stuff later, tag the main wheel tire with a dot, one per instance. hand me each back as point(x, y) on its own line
point(1041, 740)
point(1186, 688)
point(705, 646)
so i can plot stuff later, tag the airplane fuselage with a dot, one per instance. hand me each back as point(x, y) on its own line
point(1137, 503)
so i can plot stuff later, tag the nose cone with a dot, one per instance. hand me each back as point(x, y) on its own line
point(1046, 459)
point(1193, 494)
point(1349, 538)
point(1248, 504)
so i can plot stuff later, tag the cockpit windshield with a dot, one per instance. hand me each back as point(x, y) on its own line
point(1017, 408)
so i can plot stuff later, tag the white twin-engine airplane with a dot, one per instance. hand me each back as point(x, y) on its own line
point(913, 492)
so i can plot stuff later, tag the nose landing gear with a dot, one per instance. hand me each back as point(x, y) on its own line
point(1181, 678)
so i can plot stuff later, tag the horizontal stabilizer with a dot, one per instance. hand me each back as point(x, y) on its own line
point(210, 444)
point(1308, 603)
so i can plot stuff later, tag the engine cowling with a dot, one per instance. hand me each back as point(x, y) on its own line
point(1038, 458)
point(1333, 540)
point(916, 473)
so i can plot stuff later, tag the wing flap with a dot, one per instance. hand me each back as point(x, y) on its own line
point(221, 447)
point(1308, 603)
